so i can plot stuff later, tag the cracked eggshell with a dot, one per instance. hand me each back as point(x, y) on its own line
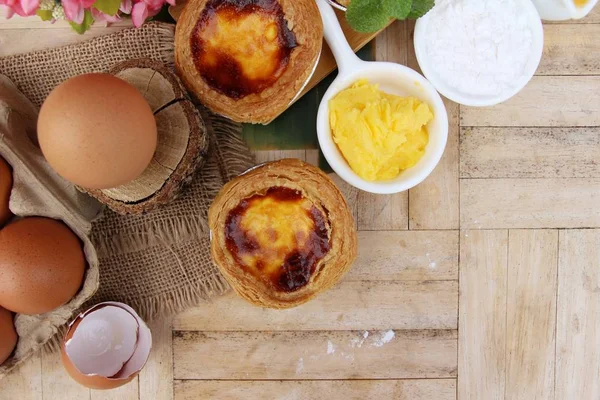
point(129, 357)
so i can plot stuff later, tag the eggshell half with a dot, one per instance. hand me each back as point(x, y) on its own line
point(130, 369)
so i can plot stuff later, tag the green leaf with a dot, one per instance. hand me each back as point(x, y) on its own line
point(45, 15)
point(367, 15)
point(109, 7)
point(398, 9)
point(420, 8)
point(88, 20)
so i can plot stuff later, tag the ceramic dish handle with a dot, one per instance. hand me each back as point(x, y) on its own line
point(343, 53)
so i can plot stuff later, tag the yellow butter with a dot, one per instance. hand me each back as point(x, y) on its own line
point(379, 134)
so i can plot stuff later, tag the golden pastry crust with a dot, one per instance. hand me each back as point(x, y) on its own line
point(304, 22)
point(326, 247)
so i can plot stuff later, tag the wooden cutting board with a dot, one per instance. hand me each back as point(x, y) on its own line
point(327, 63)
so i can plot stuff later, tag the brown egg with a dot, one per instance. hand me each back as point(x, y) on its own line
point(6, 183)
point(97, 131)
point(8, 336)
point(41, 265)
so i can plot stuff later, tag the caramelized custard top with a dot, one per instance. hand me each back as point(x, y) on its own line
point(241, 47)
point(278, 236)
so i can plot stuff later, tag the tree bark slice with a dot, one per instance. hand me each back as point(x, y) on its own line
point(182, 140)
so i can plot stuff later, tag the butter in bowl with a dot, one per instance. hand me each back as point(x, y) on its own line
point(381, 126)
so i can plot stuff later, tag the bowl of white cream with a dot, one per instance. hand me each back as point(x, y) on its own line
point(479, 53)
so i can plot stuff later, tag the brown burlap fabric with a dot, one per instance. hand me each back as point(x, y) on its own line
point(158, 263)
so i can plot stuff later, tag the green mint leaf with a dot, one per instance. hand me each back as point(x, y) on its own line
point(398, 9)
point(367, 15)
point(88, 20)
point(420, 8)
point(45, 15)
point(109, 7)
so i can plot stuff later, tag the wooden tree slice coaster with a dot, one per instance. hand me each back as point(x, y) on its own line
point(182, 140)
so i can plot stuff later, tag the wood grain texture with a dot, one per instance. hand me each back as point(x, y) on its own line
point(57, 384)
point(482, 315)
point(545, 101)
point(434, 204)
point(347, 306)
point(529, 203)
point(17, 22)
point(156, 379)
point(406, 256)
point(424, 389)
point(578, 330)
point(531, 314)
point(382, 211)
point(570, 50)
point(263, 156)
point(315, 355)
point(127, 392)
point(25, 382)
point(530, 153)
point(18, 41)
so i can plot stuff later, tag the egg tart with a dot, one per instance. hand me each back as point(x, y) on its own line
point(248, 59)
point(282, 233)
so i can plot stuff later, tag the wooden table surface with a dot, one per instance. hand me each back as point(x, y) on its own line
point(482, 283)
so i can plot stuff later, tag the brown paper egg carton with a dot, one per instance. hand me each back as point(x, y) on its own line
point(39, 191)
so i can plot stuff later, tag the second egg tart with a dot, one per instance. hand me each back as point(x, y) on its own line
point(281, 233)
point(248, 59)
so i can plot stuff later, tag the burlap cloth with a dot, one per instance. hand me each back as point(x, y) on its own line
point(158, 263)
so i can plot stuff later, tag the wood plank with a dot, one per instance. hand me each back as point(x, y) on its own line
point(423, 389)
point(57, 384)
point(23, 383)
point(347, 306)
point(570, 50)
point(381, 212)
point(433, 204)
point(531, 314)
point(482, 315)
point(315, 355)
point(156, 379)
point(546, 101)
point(17, 22)
point(127, 392)
point(406, 256)
point(349, 191)
point(578, 329)
point(530, 203)
point(530, 153)
point(18, 41)
point(263, 156)
point(391, 44)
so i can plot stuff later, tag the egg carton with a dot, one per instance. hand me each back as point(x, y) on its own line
point(39, 191)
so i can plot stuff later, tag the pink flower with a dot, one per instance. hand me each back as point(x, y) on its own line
point(74, 9)
point(24, 8)
point(144, 9)
point(99, 16)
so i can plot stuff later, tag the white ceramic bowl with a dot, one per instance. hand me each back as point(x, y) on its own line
point(394, 79)
point(561, 10)
point(481, 101)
